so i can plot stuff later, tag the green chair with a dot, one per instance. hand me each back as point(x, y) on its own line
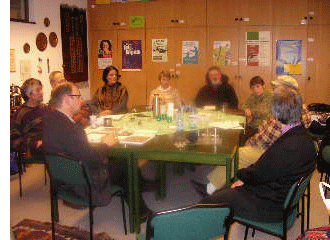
point(22, 159)
point(290, 212)
point(198, 221)
point(69, 171)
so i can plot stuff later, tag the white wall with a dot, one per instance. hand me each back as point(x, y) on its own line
point(21, 33)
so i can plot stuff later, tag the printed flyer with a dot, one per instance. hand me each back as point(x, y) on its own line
point(221, 53)
point(190, 52)
point(105, 53)
point(159, 50)
point(132, 55)
point(258, 51)
point(288, 57)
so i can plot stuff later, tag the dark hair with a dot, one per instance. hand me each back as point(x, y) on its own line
point(106, 72)
point(164, 74)
point(107, 41)
point(287, 106)
point(256, 80)
point(27, 86)
point(58, 93)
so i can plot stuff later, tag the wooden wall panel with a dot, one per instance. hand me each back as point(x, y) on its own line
point(208, 21)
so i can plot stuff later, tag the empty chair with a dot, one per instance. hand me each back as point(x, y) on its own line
point(198, 221)
point(70, 172)
point(290, 212)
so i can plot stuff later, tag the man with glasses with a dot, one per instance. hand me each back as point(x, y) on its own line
point(61, 134)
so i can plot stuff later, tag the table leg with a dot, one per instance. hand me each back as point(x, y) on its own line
point(161, 179)
point(228, 171)
point(133, 194)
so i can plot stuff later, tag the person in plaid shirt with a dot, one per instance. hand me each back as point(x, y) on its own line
point(268, 132)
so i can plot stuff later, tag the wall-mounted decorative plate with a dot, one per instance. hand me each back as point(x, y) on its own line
point(26, 48)
point(41, 41)
point(53, 39)
point(46, 21)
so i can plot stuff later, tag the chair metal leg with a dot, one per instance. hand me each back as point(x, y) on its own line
point(45, 174)
point(308, 204)
point(123, 212)
point(91, 223)
point(246, 232)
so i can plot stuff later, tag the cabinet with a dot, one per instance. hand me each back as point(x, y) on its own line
point(242, 12)
point(238, 70)
point(134, 81)
point(187, 78)
point(317, 87)
point(173, 13)
point(318, 12)
point(289, 12)
point(114, 16)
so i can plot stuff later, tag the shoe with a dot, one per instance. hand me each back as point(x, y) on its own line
point(146, 212)
point(200, 188)
point(73, 205)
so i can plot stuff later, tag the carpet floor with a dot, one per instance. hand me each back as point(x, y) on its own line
point(28, 229)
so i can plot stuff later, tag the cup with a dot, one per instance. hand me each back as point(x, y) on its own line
point(108, 122)
point(93, 121)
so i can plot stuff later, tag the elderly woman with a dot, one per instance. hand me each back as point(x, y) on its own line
point(26, 123)
point(113, 96)
point(164, 90)
point(261, 188)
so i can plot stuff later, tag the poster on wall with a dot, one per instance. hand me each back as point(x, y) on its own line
point(132, 55)
point(105, 53)
point(12, 61)
point(258, 48)
point(288, 57)
point(159, 50)
point(25, 69)
point(190, 52)
point(221, 53)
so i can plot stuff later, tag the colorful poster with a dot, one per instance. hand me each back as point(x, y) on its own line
point(105, 53)
point(159, 50)
point(190, 52)
point(132, 55)
point(288, 57)
point(221, 53)
point(258, 48)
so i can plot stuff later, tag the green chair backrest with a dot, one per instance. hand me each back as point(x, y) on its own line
point(296, 192)
point(67, 170)
point(191, 223)
point(326, 153)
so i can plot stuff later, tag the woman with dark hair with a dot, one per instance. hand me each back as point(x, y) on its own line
point(113, 96)
point(26, 123)
point(217, 91)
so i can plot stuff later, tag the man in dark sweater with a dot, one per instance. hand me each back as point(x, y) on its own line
point(261, 188)
point(217, 91)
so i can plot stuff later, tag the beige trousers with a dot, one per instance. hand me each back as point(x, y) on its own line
point(247, 155)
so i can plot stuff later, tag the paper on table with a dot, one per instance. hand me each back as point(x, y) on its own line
point(95, 137)
point(226, 125)
point(134, 139)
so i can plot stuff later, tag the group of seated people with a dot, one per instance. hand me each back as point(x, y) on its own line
point(275, 153)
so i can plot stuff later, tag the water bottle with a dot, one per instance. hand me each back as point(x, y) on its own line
point(179, 119)
point(155, 106)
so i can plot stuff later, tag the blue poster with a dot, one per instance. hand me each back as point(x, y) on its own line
point(288, 57)
point(132, 55)
point(190, 52)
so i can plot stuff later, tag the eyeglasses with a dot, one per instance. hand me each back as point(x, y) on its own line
point(75, 95)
